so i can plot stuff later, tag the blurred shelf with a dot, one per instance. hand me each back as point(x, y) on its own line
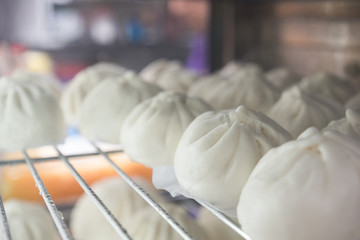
point(330, 9)
point(133, 56)
point(89, 4)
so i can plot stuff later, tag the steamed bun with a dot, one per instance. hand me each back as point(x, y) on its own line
point(234, 67)
point(218, 151)
point(87, 222)
point(204, 85)
point(153, 70)
point(215, 228)
point(305, 189)
point(82, 84)
point(323, 83)
point(149, 225)
point(354, 102)
point(281, 77)
point(29, 221)
point(151, 132)
point(105, 108)
point(297, 110)
point(178, 80)
point(248, 88)
point(29, 115)
point(349, 125)
point(169, 75)
point(47, 81)
point(230, 68)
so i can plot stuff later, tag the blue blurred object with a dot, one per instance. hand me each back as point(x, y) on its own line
point(135, 31)
point(73, 131)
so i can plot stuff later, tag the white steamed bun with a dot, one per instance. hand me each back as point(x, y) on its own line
point(29, 115)
point(87, 222)
point(354, 102)
point(215, 228)
point(82, 84)
point(305, 189)
point(297, 110)
point(323, 83)
point(281, 77)
point(105, 108)
point(169, 75)
point(29, 221)
point(149, 225)
point(203, 85)
point(248, 88)
point(218, 151)
point(151, 72)
point(178, 80)
point(47, 81)
point(234, 67)
point(230, 68)
point(151, 132)
point(349, 125)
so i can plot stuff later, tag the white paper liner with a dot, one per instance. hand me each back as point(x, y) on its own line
point(164, 178)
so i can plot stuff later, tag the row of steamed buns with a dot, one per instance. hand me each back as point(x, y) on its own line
point(214, 152)
point(98, 107)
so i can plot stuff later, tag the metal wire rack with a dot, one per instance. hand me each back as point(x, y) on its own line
point(120, 230)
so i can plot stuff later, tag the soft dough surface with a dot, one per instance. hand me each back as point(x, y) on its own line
point(247, 87)
point(215, 228)
point(349, 125)
point(169, 75)
point(305, 189)
point(153, 70)
point(218, 151)
point(82, 84)
point(354, 102)
point(281, 77)
point(323, 83)
point(298, 110)
point(29, 221)
point(87, 222)
point(29, 115)
point(104, 110)
point(149, 225)
point(151, 132)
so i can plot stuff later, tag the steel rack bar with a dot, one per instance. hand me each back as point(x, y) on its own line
point(4, 223)
point(120, 230)
point(178, 228)
point(54, 212)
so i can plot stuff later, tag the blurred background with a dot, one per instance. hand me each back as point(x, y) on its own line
point(77, 33)
point(304, 35)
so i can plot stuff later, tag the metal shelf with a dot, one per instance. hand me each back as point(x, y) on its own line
point(4, 224)
point(57, 216)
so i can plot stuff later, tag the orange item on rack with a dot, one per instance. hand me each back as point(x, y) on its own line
point(17, 182)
